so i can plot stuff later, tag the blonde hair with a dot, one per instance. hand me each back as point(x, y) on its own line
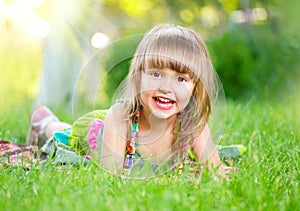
point(180, 49)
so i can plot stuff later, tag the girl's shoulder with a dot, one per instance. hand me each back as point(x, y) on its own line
point(117, 111)
point(115, 119)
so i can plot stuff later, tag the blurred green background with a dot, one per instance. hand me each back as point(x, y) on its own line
point(47, 45)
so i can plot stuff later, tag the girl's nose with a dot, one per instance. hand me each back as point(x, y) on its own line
point(166, 85)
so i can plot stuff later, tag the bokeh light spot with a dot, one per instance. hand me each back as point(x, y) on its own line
point(100, 40)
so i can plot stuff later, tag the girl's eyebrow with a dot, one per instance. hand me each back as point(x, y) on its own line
point(187, 75)
point(152, 69)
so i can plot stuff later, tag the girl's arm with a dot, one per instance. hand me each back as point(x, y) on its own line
point(206, 153)
point(113, 141)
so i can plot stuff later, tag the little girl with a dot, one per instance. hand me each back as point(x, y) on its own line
point(161, 118)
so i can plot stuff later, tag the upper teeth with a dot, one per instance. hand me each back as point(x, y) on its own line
point(163, 99)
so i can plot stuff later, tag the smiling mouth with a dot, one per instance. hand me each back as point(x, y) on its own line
point(163, 100)
point(164, 103)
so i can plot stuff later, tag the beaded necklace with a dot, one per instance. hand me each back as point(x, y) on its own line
point(130, 153)
point(130, 148)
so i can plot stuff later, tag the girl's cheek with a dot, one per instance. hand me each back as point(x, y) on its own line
point(149, 84)
point(154, 84)
point(184, 90)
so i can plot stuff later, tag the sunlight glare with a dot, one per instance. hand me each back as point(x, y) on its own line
point(21, 14)
point(100, 40)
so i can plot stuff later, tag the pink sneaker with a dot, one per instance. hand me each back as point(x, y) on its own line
point(40, 117)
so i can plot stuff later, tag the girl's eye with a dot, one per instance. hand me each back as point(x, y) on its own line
point(156, 74)
point(181, 79)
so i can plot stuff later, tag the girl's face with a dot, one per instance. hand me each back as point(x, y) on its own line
point(165, 93)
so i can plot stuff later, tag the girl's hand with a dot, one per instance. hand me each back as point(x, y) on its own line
point(225, 171)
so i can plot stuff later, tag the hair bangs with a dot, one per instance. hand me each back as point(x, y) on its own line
point(171, 52)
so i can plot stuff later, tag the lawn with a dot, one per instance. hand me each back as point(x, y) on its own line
point(267, 176)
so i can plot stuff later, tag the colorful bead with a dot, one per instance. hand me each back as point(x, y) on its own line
point(129, 157)
point(134, 134)
point(130, 150)
point(128, 161)
point(135, 127)
point(132, 142)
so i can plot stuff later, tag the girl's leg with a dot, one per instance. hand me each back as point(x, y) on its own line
point(55, 126)
point(43, 123)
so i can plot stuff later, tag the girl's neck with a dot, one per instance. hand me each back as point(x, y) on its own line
point(149, 122)
point(156, 136)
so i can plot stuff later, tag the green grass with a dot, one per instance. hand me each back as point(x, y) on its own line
point(267, 176)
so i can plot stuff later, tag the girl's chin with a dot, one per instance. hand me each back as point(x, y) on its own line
point(163, 114)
